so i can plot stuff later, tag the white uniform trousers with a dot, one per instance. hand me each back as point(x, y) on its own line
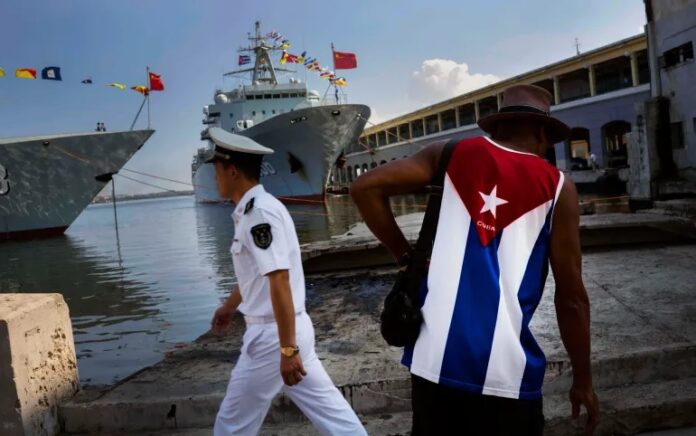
point(256, 380)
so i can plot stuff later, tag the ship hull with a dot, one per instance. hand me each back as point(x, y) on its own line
point(306, 144)
point(50, 180)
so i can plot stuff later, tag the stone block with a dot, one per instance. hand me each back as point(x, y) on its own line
point(38, 366)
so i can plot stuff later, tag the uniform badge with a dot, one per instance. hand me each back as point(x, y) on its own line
point(262, 235)
point(249, 206)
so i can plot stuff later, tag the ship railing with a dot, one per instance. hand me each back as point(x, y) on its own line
point(330, 99)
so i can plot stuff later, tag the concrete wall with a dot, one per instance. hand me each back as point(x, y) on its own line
point(38, 367)
point(593, 113)
point(674, 25)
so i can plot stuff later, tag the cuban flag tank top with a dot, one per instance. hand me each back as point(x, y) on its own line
point(487, 273)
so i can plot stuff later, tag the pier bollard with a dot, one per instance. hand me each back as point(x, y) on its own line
point(38, 366)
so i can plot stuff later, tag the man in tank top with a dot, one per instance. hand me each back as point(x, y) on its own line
point(476, 367)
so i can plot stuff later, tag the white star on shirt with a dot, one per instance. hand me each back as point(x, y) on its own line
point(491, 201)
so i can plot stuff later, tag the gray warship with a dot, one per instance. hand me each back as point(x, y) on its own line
point(47, 181)
point(306, 131)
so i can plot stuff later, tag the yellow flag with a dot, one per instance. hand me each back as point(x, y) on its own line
point(2, 72)
point(118, 85)
point(144, 90)
point(26, 73)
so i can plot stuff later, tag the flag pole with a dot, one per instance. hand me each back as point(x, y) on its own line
point(333, 57)
point(148, 96)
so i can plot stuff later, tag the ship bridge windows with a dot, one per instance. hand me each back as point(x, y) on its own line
point(391, 136)
point(382, 138)
point(276, 95)
point(574, 85)
point(449, 120)
point(613, 74)
point(417, 128)
point(403, 132)
point(432, 125)
point(267, 96)
point(372, 141)
point(488, 106)
point(467, 114)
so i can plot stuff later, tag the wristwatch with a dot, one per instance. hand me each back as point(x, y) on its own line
point(290, 351)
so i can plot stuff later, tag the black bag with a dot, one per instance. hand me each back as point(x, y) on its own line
point(401, 318)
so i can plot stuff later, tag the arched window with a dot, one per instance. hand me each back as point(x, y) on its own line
point(578, 149)
point(383, 162)
point(373, 165)
point(615, 143)
point(364, 168)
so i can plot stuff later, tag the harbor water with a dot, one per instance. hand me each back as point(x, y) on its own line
point(151, 284)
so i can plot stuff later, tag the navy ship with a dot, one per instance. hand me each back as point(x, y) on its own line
point(47, 181)
point(306, 131)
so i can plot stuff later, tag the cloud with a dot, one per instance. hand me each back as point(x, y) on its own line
point(440, 79)
point(377, 117)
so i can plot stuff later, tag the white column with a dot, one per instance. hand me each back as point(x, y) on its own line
point(556, 90)
point(456, 116)
point(634, 69)
point(593, 80)
point(476, 110)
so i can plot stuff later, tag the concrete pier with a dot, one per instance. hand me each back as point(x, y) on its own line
point(37, 363)
point(358, 248)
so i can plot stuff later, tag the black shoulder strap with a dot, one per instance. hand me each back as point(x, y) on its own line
point(432, 213)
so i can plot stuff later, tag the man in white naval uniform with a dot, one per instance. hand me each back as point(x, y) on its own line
point(278, 346)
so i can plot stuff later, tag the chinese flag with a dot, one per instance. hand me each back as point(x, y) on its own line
point(344, 60)
point(156, 82)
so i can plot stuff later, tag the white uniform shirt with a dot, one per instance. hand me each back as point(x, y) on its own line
point(264, 241)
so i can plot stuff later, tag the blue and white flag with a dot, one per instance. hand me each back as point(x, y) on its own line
point(51, 73)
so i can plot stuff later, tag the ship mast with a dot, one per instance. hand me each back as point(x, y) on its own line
point(263, 70)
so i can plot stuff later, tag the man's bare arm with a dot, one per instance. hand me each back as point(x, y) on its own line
point(234, 299)
point(223, 315)
point(371, 192)
point(572, 302)
point(291, 368)
point(283, 307)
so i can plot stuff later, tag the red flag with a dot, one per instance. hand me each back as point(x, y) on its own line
point(156, 82)
point(344, 60)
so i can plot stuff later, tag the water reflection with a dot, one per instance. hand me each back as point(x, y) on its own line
point(110, 308)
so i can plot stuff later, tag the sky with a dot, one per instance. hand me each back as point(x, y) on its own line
point(410, 54)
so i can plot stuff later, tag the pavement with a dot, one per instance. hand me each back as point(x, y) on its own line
point(643, 342)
